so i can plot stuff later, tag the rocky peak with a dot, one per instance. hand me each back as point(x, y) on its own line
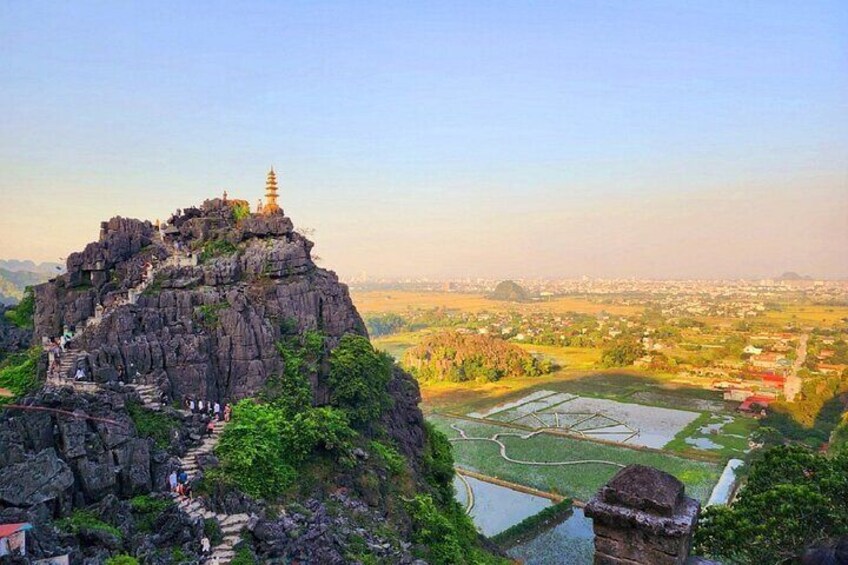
point(224, 290)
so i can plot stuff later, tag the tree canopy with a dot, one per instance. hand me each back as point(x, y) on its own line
point(794, 498)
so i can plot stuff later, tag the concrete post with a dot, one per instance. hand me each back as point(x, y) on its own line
point(642, 517)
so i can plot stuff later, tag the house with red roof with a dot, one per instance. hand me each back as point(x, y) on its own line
point(13, 538)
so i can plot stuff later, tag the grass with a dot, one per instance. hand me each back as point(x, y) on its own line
point(579, 358)
point(732, 437)
point(209, 314)
point(635, 387)
point(152, 424)
point(806, 315)
point(19, 375)
point(146, 509)
point(86, 520)
point(397, 344)
point(578, 481)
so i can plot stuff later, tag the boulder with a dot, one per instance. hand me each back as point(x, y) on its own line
point(38, 479)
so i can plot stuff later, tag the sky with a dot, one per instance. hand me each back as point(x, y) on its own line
point(651, 139)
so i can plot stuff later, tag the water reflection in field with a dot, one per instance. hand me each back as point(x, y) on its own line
point(570, 542)
point(495, 507)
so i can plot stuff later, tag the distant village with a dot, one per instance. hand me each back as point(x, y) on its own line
point(739, 337)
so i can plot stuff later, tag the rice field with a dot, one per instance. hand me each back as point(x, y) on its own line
point(496, 508)
point(580, 481)
point(600, 418)
point(571, 541)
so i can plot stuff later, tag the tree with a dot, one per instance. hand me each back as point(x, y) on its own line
point(358, 378)
point(794, 497)
point(621, 353)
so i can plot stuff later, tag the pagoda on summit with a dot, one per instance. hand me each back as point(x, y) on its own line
point(270, 206)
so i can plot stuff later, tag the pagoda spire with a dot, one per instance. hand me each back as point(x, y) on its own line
point(271, 205)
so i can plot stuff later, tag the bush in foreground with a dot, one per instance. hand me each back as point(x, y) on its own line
point(794, 498)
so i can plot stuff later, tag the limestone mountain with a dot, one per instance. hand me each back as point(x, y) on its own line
point(327, 459)
point(509, 291)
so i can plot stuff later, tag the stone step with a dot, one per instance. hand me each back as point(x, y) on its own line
point(235, 519)
point(234, 528)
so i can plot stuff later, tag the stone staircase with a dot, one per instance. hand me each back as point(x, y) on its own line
point(150, 395)
point(231, 524)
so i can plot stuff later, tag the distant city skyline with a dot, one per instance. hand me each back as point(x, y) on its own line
point(648, 139)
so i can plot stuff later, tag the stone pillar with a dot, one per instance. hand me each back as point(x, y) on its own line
point(642, 517)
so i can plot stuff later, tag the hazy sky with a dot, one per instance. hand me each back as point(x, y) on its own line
point(626, 138)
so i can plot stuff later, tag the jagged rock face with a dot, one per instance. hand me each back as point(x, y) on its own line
point(51, 458)
point(12, 338)
point(208, 330)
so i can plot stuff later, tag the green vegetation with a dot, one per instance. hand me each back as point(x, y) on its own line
point(122, 559)
point(302, 355)
point(241, 210)
point(358, 378)
point(394, 461)
point(455, 357)
point(19, 374)
point(243, 557)
point(212, 530)
point(532, 525)
point(731, 437)
point(447, 536)
point(438, 462)
point(621, 353)
point(86, 520)
point(146, 509)
point(152, 424)
point(814, 415)
point(215, 248)
point(793, 498)
point(261, 449)
point(22, 314)
point(209, 314)
point(384, 324)
point(578, 481)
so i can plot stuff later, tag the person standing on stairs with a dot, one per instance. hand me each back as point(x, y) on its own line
point(205, 546)
point(200, 406)
point(172, 481)
point(217, 411)
point(191, 405)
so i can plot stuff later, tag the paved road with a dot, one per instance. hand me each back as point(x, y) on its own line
point(792, 386)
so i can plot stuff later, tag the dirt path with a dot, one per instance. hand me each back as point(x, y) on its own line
point(792, 385)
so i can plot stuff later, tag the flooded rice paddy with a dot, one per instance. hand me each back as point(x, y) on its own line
point(571, 542)
point(496, 508)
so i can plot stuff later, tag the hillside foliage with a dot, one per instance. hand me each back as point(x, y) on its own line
point(22, 314)
point(794, 498)
point(357, 380)
point(19, 374)
point(455, 357)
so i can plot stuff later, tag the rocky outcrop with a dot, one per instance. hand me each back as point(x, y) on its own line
point(71, 448)
point(208, 330)
point(197, 309)
point(12, 338)
point(641, 516)
point(35, 479)
point(313, 534)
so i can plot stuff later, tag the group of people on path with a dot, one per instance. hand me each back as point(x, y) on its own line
point(179, 483)
point(58, 347)
point(213, 409)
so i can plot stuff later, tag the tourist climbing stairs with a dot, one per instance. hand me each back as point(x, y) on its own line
point(231, 524)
